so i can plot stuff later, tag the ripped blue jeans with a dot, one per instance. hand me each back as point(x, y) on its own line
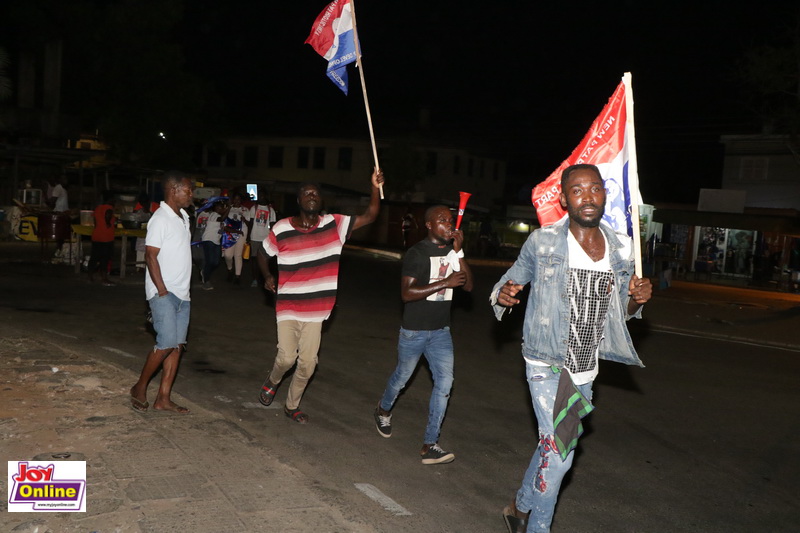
point(539, 491)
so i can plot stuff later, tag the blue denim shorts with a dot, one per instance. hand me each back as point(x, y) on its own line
point(170, 320)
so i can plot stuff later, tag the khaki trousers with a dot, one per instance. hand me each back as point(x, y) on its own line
point(297, 341)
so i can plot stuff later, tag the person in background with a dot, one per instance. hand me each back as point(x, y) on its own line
point(235, 237)
point(212, 236)
point(102, 240)
point(408, 225)
point(60, 202)
point(261, 218)
point(59, 196)
point(145, 208)
point(167, 289)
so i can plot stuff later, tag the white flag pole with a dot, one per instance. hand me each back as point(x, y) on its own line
point(364, 89)
point(633, 174)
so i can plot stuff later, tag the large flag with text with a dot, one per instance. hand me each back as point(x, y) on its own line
point(333, 37)
point(609, 145)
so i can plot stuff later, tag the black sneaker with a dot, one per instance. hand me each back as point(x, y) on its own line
point(432, 454)
point(383, 423)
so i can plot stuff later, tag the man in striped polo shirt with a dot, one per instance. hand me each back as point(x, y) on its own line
point(308, 247)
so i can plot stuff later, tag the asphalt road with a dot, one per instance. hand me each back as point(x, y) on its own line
point(703, 439)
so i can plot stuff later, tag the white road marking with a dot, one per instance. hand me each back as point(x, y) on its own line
point(59, 333)
point(386, 502)
point(725, 338)
point(120, 352)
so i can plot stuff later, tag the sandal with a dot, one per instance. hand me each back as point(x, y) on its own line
point(516, 521)
point(297, 415)
point(139, 405)
point(268, 391)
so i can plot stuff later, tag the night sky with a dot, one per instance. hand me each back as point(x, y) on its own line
point(521, 80)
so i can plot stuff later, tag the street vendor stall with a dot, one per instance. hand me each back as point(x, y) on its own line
point(123, 233)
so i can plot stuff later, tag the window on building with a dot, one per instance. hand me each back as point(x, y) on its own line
point(496, 175)
point(213, 158)
point(302, 157)
point(481, 169)
point(753, 169)
point(456, 165)
point(275, 157)
point(345, 158)
point(230, 158)
point(430, 163)
point(470, 167)
point(250, 156)
point(319, 158)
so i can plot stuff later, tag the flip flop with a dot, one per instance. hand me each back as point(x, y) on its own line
point(267, 393)
point(297, 415)
point(138, 405)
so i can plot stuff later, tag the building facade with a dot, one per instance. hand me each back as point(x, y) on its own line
point(416, 171)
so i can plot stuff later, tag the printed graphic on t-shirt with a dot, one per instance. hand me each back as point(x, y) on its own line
point(589, 295)
point(262, 216)
point(202, 219)
point(440, 269)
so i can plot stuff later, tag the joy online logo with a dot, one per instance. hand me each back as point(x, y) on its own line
point(37, 485)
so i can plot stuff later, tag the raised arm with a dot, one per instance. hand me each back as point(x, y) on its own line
point(369, 216)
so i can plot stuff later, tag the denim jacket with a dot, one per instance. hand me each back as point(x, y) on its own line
point(543, 263)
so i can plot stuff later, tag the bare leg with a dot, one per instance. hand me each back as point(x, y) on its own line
point(168, 373)
point(151, 365)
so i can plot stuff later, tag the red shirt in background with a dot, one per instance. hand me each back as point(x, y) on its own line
point(103, 232)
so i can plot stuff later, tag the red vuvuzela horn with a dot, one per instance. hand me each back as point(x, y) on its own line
point(462, 204)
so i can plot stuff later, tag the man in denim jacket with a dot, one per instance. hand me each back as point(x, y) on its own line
point(583, 289)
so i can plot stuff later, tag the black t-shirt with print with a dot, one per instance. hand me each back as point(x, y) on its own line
point(426, 262)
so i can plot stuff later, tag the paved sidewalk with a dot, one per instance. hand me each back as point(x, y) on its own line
point(146, 472)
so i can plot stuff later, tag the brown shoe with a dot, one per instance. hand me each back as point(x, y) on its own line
point(516, 521)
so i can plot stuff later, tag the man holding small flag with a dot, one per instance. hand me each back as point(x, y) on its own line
point(583, 289)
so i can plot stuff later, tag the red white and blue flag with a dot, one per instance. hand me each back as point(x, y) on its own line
point(333, 37)
point(610, 145)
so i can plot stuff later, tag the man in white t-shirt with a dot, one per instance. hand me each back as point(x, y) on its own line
point(60, 196)
point(169, 272)
point(582, 291)
point(262, 216)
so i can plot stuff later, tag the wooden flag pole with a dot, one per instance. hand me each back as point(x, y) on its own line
point(633, 174)
point(364, 89)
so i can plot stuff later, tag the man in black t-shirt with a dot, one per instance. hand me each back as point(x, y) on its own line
point(432, 268)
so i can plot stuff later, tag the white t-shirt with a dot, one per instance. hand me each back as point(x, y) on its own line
point(171, 234)
point(213, 230)
point(263, 216)
point(62, 198)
